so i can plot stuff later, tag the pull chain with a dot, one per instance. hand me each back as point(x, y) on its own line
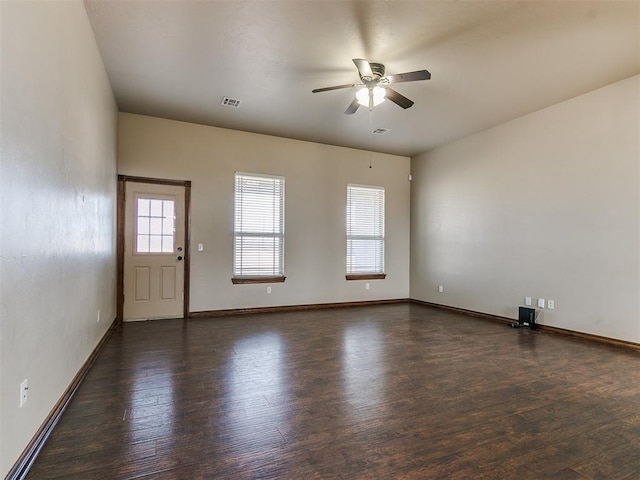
point(370, 134)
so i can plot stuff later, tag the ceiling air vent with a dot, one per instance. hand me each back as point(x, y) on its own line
point(380, 131)
point(230, 102)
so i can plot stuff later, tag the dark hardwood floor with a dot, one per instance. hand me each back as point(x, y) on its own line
point(394, 391)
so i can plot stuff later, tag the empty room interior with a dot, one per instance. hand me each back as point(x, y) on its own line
point(289, 239)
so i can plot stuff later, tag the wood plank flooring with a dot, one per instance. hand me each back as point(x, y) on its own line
point(395, 391)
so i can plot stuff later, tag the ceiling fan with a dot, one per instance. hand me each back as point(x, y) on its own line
point(374, 87)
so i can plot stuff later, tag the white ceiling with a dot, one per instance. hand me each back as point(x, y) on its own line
point(491, 61)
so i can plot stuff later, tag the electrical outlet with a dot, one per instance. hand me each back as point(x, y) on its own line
point(24, 390)
point(541, 303)
point(441, 288)
point(366, 285)
point(551, 304)
point(268, 290)
point(201, 247)
point(527, 301)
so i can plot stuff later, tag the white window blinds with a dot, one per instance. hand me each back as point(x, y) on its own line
point(365, 229)
point(258, 226)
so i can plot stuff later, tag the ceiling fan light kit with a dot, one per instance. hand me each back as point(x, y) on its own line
point(371, 97)
point(373, 89)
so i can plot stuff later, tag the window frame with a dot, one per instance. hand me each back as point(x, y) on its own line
point(238, 277)
point(374, 274)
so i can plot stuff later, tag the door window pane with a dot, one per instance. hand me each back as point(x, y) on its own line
point(155, 225)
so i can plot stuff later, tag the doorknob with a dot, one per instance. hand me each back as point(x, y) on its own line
point(179, 257)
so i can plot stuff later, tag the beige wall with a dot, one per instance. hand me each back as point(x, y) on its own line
point(316, 178)
point(58, 179)
point(544, 206)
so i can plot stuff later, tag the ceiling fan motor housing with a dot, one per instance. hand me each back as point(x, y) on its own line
point(378, 72)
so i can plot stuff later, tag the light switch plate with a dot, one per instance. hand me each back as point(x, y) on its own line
point(24, 392)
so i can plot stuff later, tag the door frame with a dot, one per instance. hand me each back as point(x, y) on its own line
point(122, 180)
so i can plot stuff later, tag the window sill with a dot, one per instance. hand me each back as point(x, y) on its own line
point(245, 280)
point(367, 276)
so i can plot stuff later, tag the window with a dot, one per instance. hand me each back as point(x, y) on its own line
point(365, 232)
point(155, 225)
point(258, 229)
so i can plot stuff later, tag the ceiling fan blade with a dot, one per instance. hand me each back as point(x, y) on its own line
point(363, 67)
point(351, 109)
point(409, 76)
point(398, 99)
point(337, 87)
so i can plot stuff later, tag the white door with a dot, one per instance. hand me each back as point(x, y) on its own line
point(154, 251)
